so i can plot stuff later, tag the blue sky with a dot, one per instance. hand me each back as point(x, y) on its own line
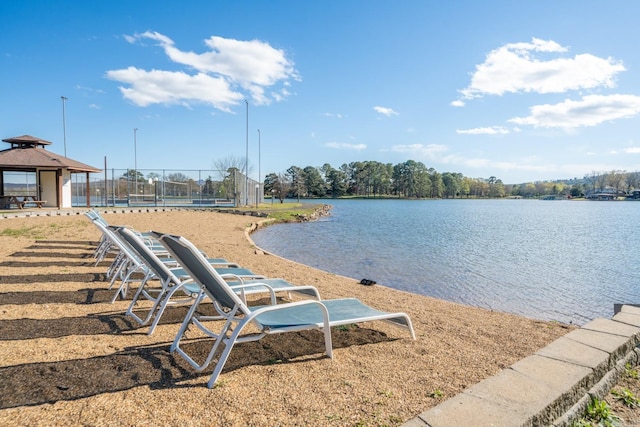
point(523, 91)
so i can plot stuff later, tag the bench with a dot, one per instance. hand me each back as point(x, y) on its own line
point(21, 201)
point(38, 203)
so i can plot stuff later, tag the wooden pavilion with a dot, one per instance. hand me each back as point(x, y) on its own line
point(52, 173)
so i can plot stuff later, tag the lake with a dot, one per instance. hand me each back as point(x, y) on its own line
point(568, 261)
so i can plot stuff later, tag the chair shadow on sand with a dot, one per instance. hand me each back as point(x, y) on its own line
point(51, 278)
point(153, 366)
point(38, 383)
point(81, 296)
point(92, 324)
point(47, 255)
point(37, 254)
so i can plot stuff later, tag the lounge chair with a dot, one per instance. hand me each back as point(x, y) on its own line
point(104, 246)
point(128, 263)
point(107, 245)
point(173, 280)
point(272, 319)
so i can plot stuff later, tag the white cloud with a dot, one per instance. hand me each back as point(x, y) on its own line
point(345, 146)
point(441, 158)
point(169, 87)
point(458, 103)
point(217, 76)
point(89, 89)
point(632, 150)
point(421, 150)
point(523, 67)
point(493, 130)
point(385, 111)
point(589, 111)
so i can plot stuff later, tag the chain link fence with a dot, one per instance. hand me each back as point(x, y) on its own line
point(164, 187)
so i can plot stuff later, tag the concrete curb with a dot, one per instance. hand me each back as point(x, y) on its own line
point(552, 387)
point(122, 210)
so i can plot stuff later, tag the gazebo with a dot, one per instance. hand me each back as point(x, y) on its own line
point(52, 172)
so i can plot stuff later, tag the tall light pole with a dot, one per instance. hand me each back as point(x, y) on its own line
point(64, 125)
point(246, 160)
point(259, 171)
point(135, 159)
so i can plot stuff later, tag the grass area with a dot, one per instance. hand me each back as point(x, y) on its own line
point(620, 407)
point(39, 232)
point(20, 232)
point(284, 212)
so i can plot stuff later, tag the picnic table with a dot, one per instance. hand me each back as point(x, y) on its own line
point(22, 201)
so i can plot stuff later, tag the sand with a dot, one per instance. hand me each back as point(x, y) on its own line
point(70, 357)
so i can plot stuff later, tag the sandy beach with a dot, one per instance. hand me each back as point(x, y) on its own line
point(70, 357)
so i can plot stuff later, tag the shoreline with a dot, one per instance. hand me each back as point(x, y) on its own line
point(73, 358)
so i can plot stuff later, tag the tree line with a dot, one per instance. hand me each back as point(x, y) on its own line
point(412, 179)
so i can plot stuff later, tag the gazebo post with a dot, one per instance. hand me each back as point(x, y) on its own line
point(88, 192)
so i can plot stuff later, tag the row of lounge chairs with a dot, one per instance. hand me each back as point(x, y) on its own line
point(172, 270)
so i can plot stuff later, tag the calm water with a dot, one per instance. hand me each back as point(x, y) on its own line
point(553, 260)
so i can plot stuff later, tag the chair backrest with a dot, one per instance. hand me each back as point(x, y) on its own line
point(192, 260)
point(153, 262)
point(95, 216)
point(160, 269)
point(91, 215)
point(110, 232)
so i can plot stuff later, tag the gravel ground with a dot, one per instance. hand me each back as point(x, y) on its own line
point(70, 357)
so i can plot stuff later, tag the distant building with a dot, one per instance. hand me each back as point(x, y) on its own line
point(634, 195)
point(607, 193)
point(52, 171)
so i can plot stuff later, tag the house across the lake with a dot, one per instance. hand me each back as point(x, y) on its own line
point(610, 193)
point(634, 195)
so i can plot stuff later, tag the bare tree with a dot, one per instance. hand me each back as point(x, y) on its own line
point(633, 181)
point(227, 169)
point(230, 162)
point(284, 186)
point(591, 180)
point(616, 179)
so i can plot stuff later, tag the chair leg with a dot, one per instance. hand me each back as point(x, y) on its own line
point(142, 290)
point(228, 346)
point(175, 347)
point(185, 323)
point(221, 361)
point(327, 341)
point(115, 265)
point(118, 272)
point(160, 305)
point(124, 285)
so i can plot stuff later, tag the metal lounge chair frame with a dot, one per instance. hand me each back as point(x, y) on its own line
point(107, 245)
point(272, 319)
point(173, 280)
point(128, 263)
point(125, 264)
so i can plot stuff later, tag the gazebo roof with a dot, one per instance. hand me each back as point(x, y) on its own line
point(26, 140)
point(28, 152)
